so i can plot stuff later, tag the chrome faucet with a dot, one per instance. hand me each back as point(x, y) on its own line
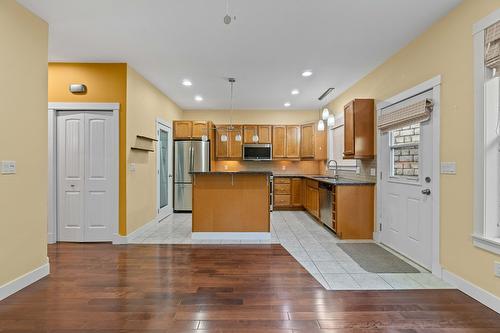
point(335, 173)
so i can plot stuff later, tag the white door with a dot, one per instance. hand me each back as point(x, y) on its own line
point(164, 170)
point(406, 189)
point(85, 141)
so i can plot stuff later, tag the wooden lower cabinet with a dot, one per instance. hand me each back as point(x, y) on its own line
point(287, 193)
point(353, 211)
point(312, 198)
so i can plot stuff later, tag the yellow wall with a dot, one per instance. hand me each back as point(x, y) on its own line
point(445, 49)
point(23, 138)
point(106, 83)
point(289, 117)
point(145, 103)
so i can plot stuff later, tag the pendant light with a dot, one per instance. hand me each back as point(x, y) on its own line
point(325, 114)
point(255, 138)
point(321, 125)
point(223, 138)
point(331, 121)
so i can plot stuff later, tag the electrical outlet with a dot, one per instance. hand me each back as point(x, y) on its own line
point(225, 167)
point(497, 269)
point(8, 167)
point(373, 172)
point(283, 167)
point(448, 168)
point(358, 170)
point(131, 167)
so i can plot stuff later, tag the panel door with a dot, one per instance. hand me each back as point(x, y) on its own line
point(406, 190)
point(200, 128)
point(70, 177)
point(235, 147)
point(99, 192)
point(279, 142)
point(265, 133)
point(293, 141)
point(248, 132)
point(349, 129)
point(221, 148)
point(183, 129)
point(307, 141)
point(296, 199)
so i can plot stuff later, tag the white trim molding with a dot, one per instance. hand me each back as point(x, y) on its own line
point(25, 280)
point(53, 108)
point(481, 295)
point(433, 84)
point(232, 235)
point(486, 243)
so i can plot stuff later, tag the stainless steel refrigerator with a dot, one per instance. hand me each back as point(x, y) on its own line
point(189, 156)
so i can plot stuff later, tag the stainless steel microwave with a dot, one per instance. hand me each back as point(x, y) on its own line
point(258, 152)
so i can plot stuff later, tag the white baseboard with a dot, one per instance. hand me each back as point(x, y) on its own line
point(119, 239)
point(51, 238)
point(232, 235)
point(472, 290)
point(23, 281)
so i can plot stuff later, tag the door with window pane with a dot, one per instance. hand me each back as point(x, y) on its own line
point(164, 170)
point(406, 189)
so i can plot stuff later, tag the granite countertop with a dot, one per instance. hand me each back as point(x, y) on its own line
point(328, 180)
point(231, 172)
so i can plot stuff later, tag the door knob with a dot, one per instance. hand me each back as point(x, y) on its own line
point(426, 191)
point(170, 176)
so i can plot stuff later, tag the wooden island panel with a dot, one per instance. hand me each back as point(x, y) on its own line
point(231, 202)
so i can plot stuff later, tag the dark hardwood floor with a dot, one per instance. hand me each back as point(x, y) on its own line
point(223, 288)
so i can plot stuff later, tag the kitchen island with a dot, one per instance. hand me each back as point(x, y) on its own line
point(231, 205)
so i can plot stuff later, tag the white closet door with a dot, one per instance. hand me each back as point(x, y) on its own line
point(85, 167)
point(98, 176)
point(71, 175)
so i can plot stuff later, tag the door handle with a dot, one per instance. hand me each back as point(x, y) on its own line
point(170, 176)
point(426, 191)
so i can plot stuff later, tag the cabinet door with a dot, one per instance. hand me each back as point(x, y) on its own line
point(279, 141)
point(248, 132)
point(183, 129)
point(200, 128)
point(292, 141)
point(307, 141)
point(265, 134)
point(315, 202)
point(235, 147)
point(222, 148)
point(296, 198)
point(349, 129)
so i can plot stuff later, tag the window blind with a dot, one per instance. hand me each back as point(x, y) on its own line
point(416, 112)
point(492, 46)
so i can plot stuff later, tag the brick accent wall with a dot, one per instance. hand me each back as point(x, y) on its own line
point(406, 157)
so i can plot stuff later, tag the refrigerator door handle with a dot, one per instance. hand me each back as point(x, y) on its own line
point(191, 158)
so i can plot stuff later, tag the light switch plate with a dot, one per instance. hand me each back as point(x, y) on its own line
point(497, 269)
point(131, 167)
point(373, 172)
point(449, 168)
point(358, 170)
point(8, 167)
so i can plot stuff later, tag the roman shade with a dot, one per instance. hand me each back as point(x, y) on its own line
point(406, 115)
point(492, 46)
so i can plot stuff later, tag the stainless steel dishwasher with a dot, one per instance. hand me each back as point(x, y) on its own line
point(325, 204)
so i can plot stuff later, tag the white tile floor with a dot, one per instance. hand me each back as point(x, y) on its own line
point(310, 244)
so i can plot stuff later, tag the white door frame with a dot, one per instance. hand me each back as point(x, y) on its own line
point(435, 85)
point(52, 162)
point(168, 124)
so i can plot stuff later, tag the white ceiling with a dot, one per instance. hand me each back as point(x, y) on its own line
point(265, 49)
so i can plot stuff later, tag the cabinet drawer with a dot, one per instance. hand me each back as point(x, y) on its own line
point(281, 200)
point(312, 183)
point(282, 180)
point(282, 188)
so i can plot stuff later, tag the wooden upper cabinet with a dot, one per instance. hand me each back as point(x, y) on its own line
point(221, 148)
point(183, 129)
point(235, 147)
point(279, 142)
point(265, 133)
point(200, 128)
point(248, 132)
point(262, 131)
point(307, 141)
point(359, 129)
point(292, 141)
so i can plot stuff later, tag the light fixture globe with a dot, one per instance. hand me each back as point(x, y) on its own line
point(325, 114)
point(238, 137)
point(321, 125)
point(255, 138)
point(223, 138)
point(331, 121)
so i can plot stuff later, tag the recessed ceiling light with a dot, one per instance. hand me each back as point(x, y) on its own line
point(287, 104)
point(187, 83)
point(198, 98)
point(307, 73)
point(295, 91)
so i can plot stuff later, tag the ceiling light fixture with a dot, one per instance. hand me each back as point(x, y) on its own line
point(307, 73)
point(325, 114)
point(321, 125)
point(287, 104)
point(230, 128)
point(295, 92)
point(187, 83)
point(228, 19)
point(331, 121)
point(198, 98)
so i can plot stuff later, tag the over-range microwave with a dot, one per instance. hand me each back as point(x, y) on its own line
point(258, 152)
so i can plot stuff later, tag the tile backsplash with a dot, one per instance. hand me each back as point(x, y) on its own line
point(281, 167)
point(364, 166)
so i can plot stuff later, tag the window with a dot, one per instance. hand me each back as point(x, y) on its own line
point(487, 139)
point(336, 145)
point(404, 152)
